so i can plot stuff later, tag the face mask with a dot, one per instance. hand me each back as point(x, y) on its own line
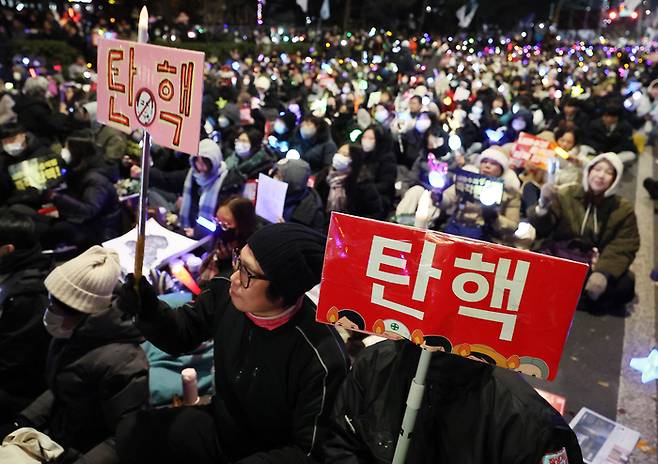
point(53, 324)
point(242, 149)
point(223, 122)
point(422, 125)
point(518, 124)
point(341, 162)
point(13, 149)
point(381, 116)
point(280, 127)
point(17, 76)
point(346, 89)
point(307, 132)
point(66, 155)
point(368, 145)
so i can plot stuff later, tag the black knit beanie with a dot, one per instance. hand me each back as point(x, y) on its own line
point(291, 256)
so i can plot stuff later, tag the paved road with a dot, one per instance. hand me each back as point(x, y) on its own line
point(594, 371)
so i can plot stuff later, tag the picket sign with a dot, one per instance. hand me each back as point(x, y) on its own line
point(535, 151)
point(508, 307)
point(155, 88)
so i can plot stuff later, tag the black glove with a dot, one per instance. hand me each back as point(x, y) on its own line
point(489, 214)
point(9, 427)
point(132, 302)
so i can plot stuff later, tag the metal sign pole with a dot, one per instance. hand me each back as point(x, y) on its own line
point(142, 216)
point(414, 400)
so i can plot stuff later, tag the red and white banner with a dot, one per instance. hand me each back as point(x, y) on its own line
point(156, 88)
point(508, 307)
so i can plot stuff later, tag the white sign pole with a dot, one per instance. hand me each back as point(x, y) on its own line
point(143, 37)
point(414, 400)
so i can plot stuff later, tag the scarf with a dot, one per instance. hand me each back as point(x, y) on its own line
point(210, 187)
point(337, 198)
point(274, 322)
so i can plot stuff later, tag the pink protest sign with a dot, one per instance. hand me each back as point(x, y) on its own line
point(152, 87)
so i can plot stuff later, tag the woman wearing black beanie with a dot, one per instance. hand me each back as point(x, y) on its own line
point(276, 369)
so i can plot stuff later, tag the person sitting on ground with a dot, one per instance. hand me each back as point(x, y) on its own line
point(579, 154)
point(475, 220)
point(303, 204)
point(18, 145)
point(276, 370)
point(35, 114)
point(96, 370)
point(207, 182)
point(236, 221)
point(347, 187)
point(249, 157)
point(379, 160)
point(591, 223)
point(612, 134)
point(313, 142)
point(110, 142)
point(89, 205)
point(471, 412)
point(23, 298)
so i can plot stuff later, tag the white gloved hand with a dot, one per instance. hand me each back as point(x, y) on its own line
point(596, 285)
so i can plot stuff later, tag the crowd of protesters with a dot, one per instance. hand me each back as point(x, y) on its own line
point(367, 123)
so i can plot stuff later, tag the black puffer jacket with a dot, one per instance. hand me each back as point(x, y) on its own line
point(383, 169)
point(95, 377)
point(91, 200)
point(23, 338)
point(471, 413)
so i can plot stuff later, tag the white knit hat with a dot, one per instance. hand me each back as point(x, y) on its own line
point(86, 283)
point(496, 155)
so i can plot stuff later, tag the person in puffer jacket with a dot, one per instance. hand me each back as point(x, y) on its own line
point(602, 222)
point(96, 370)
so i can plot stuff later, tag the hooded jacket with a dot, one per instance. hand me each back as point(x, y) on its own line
point(471, 412)
point(611, 226)
point(202, 192)
point(94, 378)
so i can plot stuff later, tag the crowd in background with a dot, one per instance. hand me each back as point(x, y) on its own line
point(367, 123)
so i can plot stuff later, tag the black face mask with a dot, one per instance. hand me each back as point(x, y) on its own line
point(227, 236)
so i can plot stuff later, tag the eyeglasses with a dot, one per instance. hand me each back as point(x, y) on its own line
point(245, 275)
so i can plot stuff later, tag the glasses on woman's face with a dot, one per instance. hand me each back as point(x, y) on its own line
point(245, 275)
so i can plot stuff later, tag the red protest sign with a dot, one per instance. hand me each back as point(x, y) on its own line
point(533, 150)
point(509, 307)
point(152, 87)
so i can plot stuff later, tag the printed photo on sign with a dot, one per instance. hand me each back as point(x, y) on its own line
point(477, 300)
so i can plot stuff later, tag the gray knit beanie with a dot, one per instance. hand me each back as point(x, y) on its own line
point(86, 283)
